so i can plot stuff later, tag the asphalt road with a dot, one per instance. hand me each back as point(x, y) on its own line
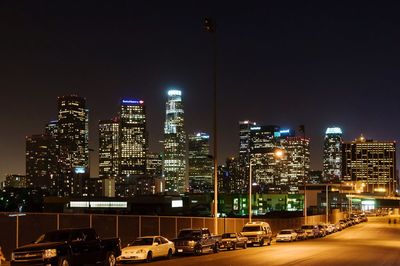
point(373, 243)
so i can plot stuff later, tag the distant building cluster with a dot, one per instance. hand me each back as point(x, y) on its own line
point(271, 159)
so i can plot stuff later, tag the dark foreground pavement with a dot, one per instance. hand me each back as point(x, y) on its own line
point(373, 243)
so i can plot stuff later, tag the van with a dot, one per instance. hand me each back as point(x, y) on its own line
point(257, 233)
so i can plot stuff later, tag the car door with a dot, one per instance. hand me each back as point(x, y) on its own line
point(92, 247)
point(157, 247)
point(78, 248)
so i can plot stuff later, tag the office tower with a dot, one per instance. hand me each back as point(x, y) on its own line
point(200, 163)
point(332, 158)
point(41, 161)
point(244, 152)
point(108, 148)
point(154, 164)
point(132, 138)
point(370, 165)
point(73, 135)
point(175, 152)
point(15, 181)
point(263, 161)
point(298, 161)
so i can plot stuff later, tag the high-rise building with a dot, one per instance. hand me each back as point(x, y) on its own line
point(132, 138)
point(73, 133)
point(298, 161)
point(154, 164)
point(109, 148)
point(41, 161)
point(175, 151)
point(370, 165)
point(262, 158)
point(332, 158)
point(200, 163)
point(244, 152)
point(15, 181)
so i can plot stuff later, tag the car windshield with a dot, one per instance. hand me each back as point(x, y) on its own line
point(55, 236)
point(251, 228)
point(285, 232)
point(299, 231)
point(142, 242)
point(307, 227)
point(189, 234)
point(228, 235)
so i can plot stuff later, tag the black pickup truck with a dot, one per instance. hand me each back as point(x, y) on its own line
point(196, 241)
point(68, 247)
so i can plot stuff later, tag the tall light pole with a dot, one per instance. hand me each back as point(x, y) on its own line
point(250, 187)
point(210, 26)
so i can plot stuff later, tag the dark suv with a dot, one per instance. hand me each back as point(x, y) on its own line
point(68, 247)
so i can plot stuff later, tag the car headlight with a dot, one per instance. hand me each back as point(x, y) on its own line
point(141, 251)
point(49, 253)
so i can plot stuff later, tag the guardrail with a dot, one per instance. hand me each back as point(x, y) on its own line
point(17, 229)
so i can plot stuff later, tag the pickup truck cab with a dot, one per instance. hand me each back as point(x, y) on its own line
point(232, 241)
point(257, 233)
point(196, 241)
point(68, 247)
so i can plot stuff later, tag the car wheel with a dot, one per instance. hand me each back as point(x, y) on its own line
point(216, 248)
point(198, 250)
point(110, 259)
point(63, 262)
point(149, 257)
point(169, 255)
point(234, 246)
point(269, 242)
point(245, 245)
point(261, 242)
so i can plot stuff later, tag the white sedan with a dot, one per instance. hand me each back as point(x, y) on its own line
point(146, 248)
point(286, 235)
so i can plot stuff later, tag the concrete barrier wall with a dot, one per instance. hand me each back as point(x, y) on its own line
point(20, 229)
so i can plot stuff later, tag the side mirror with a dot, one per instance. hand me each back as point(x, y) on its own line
point(155, 244)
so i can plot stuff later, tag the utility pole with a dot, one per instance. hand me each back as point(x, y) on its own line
point(210, 26)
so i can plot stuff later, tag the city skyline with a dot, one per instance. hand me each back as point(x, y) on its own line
point(311, 66)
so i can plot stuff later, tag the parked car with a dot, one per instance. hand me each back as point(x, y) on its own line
point(301, 234)
point(364, 217)
point(146, 248)
point(196, 241)
point(257, 233)
point(232, 241)
point(322, 230)
point(343, 224)
point(312, 231)
point(286, 235)
point(68, 247)
point(331, 228)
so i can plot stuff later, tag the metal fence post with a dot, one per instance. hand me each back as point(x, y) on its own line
point(176, 227)
point(17, 231)
point(140, 226)
point(159, 225)
point(116, 226)
point(58, 221)
point(90, 221)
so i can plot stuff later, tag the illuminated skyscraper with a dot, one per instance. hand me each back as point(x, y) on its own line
point(298, 161)
point(41, 161)
point(262, 160)
point(200, 163)
point(108, 148)
point(73, 133)
point(132, 138)
point(370, 165)
point(175, 152)
point(244, 154)
point(332, 158)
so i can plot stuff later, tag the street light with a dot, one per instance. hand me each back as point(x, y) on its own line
point(210, 27)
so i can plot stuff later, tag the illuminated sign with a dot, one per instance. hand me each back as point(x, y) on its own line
point(132, 101)
point(174, 93)
point(284, 131)
point(333, 130)
point(177, 203)
point(255, 128)
point(79, 170)
point(98, 204)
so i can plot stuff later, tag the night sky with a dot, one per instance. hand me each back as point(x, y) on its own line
point(280, 62)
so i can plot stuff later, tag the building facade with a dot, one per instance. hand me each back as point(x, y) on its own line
point(332, 158)
point(370, 165)
point(133, 145)
point(175, 150)
point(200, 163)
point(109, 148)
point(73, 134)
